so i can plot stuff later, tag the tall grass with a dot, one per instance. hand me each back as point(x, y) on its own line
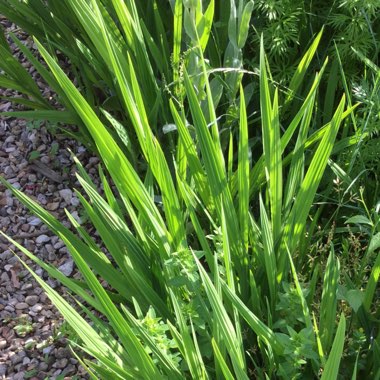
point(212, 280)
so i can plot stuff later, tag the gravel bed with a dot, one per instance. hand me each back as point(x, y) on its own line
point(32, 333)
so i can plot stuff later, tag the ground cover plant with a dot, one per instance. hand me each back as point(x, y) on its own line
point(288, 25)
point(213, 261)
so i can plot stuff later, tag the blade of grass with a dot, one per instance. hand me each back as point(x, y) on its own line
point(304, 199)
point(17, 73)
point(258, 170)
point(207, 19)
point(371, 284)
point(99, 261)
point(86, 333)
point(244, 20)
point(271, 146)
point(222, 363)
point(329, 301)
point(193, 359)
point(134, 102)
point(297, 167)
point(227, 329)
point(299, 75)
point(195, 165)
point(122, 172)
point(130, 342)
point(269, 254)
point(66, 117)
point(167, 364)
point(261, 330)
point(331, 369)
point(305, 308)
point(243, 171)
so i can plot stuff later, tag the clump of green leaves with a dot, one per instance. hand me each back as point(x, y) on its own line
point(355, 24)
point(23, 327)
point(288, 26)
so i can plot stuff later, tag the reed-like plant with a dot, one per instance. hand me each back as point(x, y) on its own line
point(206, 273)
point(158, 46)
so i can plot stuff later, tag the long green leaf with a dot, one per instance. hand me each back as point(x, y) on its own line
point(224, 323)
point(372, 283)
point(269, 253)
point(299, 75)
point(304, 199)
point(221, 361)
point(87, 334)
point(195, 363)
point(271, 145)
point(93, 255)
point(243, 171)
point(329, 301)
point(330, 372)
point(122, 172)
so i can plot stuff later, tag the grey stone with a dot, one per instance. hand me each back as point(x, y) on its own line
point(3, 370)
point(31, 300)
point(38, 290)
point(32, 178)
point(19, 297)
point(4, 277)
point(13, 260)
point(75, 201)
point(47, 350)
point(52, 256)
point(56, 374)
point(53, 206)
point(49, 248)
point(35, 221)
point(22, 306)
point(16, 185)
point(27, 286)
point(67, 268)
point(43, 366)
point(8, 267)
point(61, 363)
point(45, 159)
point(66, 194)
point(47, 313)
point(59, 244)
point(41, 199)
point(36, 308)
point(18, 358)
point(42, 239)
point(8, 171)
point(62, 353)
point(76, 216)
point(19, 376)
point(6, 255)
point(69, 370)
point(52, 283)
point(26, 361)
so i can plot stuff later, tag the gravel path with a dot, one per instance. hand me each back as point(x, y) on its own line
point(32, 333)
